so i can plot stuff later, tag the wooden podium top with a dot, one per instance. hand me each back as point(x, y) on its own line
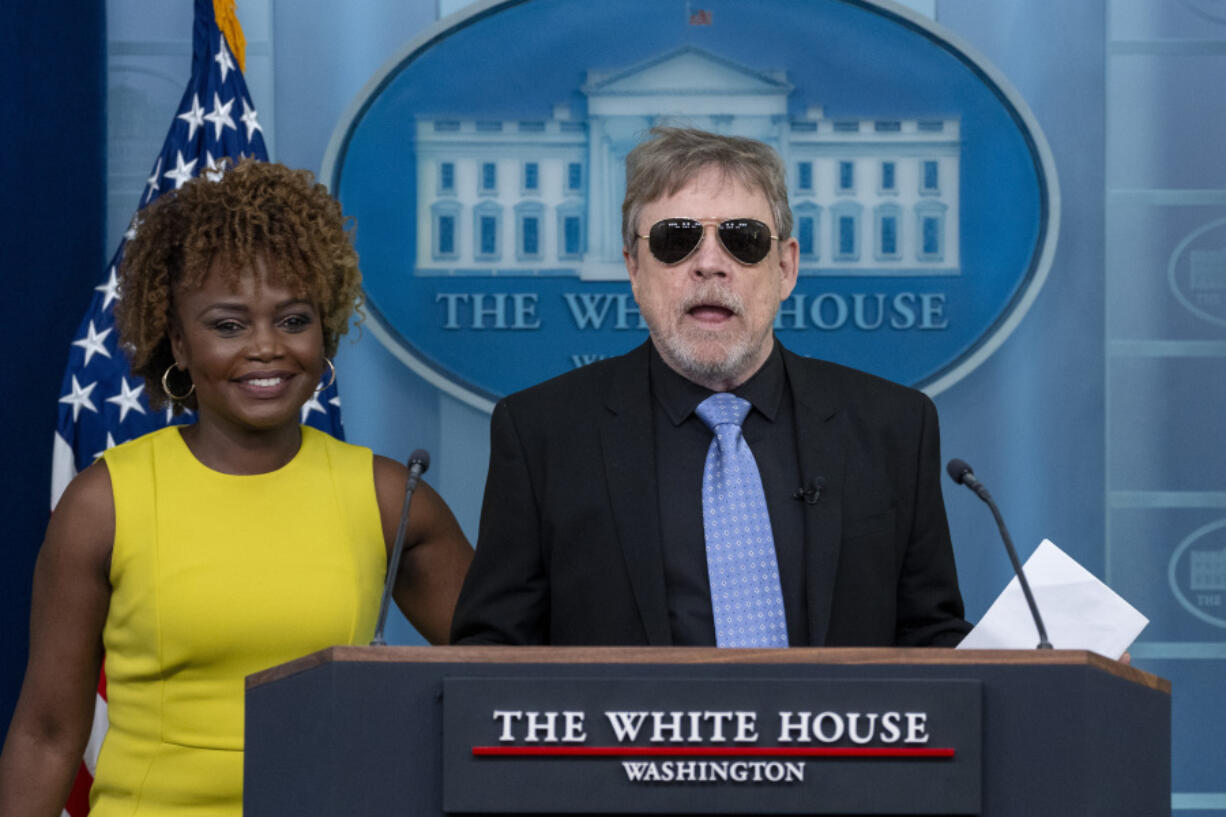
point(708, 655)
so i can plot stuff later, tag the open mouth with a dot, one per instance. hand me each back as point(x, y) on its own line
point(711, 313)
point(713, 306)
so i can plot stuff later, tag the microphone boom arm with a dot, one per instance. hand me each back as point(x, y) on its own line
point(1043, 644)
point(419, 461)
point(962, 474)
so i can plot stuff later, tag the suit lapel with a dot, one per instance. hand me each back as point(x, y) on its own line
point(822, 453)
point(627, 439)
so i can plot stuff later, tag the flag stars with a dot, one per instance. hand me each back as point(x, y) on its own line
point(249, 119)
point(152, 182)
point(213, 169)
point(193, 117)
point(220, 116)
point(223, 58)
point(181, 173)
point(170, 413)
point(312, 405)
point(93, 343)
point(109, 290)
point(79, 398)
point(128, 399)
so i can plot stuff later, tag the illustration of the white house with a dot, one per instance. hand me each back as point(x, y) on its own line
point(1208, 570)
point(871, 197)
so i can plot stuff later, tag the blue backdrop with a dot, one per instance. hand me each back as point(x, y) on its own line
point(1093, 423)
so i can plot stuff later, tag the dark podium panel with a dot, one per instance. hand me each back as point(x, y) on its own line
point(566, 730)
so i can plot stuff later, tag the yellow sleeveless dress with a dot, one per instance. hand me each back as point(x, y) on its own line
point(214, 577)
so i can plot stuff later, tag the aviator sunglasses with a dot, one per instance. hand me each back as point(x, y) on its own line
point(673, 240)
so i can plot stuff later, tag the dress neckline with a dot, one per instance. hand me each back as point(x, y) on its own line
point(184, 450)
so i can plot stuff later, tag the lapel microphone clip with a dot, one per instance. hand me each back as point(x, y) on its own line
point(812, 492)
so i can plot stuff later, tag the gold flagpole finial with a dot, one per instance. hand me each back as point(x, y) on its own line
point(227, 21)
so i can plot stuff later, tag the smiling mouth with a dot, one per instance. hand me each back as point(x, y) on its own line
point(265, 384)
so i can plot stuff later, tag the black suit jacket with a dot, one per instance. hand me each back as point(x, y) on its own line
point(569, 552)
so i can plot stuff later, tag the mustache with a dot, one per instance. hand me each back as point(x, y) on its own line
point(714, 295)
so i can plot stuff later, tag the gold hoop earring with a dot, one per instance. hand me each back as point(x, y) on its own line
point(331, 379)
point(178, 398)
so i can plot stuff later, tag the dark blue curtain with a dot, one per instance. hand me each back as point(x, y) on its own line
point(53, 155)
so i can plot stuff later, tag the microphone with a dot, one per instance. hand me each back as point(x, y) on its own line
point(812, 492)
point(419, 462)
point(961, 473)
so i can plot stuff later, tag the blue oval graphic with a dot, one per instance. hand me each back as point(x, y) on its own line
point(1197, 573)
point(485, 169)
point(1197, 272)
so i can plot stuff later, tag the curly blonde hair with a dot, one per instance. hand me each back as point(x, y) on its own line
point(257, 209)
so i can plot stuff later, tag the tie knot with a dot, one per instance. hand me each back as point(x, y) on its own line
point(722, 409)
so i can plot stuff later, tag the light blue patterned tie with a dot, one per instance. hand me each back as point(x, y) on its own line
point(746, 598)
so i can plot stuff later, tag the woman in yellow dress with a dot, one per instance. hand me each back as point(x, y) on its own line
point(198, 554)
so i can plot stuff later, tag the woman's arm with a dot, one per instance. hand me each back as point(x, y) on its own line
point(72, 591)
point(436, 553)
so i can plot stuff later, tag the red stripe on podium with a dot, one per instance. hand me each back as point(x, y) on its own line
point(710, 751)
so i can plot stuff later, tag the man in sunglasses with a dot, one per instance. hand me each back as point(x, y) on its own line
point(710, 487)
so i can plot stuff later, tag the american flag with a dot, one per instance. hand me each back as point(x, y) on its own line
point(103, 403)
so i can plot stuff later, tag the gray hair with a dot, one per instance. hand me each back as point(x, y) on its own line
point(672, 157)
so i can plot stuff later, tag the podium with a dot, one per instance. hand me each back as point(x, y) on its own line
point(576, 730)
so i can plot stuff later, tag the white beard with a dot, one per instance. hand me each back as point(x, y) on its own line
point(707, 357)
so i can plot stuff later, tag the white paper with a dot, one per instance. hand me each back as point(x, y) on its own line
point(1079, 611)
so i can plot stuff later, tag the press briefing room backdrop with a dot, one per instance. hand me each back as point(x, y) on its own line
point(1017, 205)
